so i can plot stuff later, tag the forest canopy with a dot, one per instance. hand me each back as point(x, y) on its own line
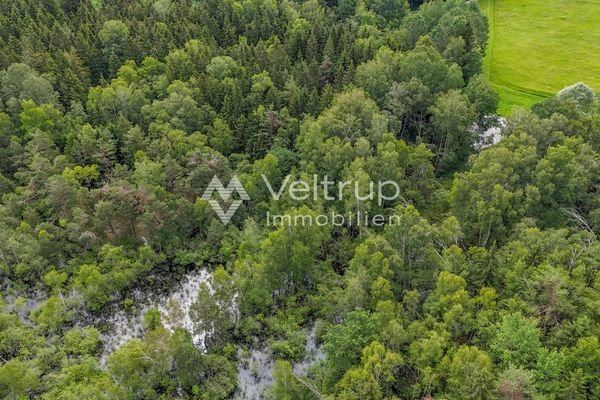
point(116, 115)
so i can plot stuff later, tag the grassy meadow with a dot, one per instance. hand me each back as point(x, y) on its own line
point(538, 47)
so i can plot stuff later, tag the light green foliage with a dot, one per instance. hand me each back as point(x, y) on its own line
point(215, 311)
point(122, 269)
point(517, 341)
point(113, 37)
point(222, 67)
point(287, 386)
point(451, 120)
point(51, 314)
point(290, 255)
point(82, 341)
point(344, 342)
point(130, 366)
point(20, 82)
point(470, 374)
point(85, 174)
point(17, 379)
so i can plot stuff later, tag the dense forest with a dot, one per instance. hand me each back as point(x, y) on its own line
point(116, 114)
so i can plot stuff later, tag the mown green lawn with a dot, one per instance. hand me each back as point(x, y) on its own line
point(538, 47)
